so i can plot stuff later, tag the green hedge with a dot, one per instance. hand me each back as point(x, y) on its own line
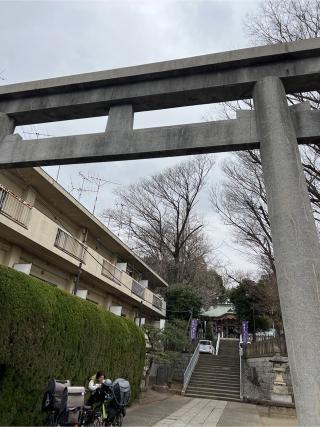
point(47, 333)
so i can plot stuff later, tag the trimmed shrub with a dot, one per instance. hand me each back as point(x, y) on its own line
point(46, 333)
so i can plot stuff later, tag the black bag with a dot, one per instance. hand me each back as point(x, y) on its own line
point(53, 394)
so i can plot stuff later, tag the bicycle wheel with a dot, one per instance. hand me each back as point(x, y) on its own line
point(51, 419)
point(98, 422)
point(118, 419)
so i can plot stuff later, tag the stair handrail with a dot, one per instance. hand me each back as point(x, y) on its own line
point(218, 344)
point(189, 369)
point(240, 357)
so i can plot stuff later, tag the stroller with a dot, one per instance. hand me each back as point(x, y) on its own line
point(111, 402)
point(121, 392)
point(52, 397)
point(63, 403)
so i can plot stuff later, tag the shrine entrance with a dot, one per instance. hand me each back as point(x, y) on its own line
point(222, 319)
point(265, 74)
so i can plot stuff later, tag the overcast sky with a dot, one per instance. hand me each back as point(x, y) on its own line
point(43, 39)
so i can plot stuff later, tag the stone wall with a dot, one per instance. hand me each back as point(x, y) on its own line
point(163, 373)
point(258, 377)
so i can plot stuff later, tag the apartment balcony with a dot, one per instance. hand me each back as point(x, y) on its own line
point(121, 277)
point(14, 208)
point(69, 244)
point(51, 242)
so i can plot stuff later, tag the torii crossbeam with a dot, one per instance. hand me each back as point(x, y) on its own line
point(265, 74)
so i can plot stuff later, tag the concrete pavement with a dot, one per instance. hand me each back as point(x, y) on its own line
point(177, 411)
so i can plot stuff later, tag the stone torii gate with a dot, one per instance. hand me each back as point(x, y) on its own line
point(265, 74)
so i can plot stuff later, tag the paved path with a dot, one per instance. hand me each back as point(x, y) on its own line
point(177, 411)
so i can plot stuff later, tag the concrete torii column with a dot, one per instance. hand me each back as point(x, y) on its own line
point(295, 243)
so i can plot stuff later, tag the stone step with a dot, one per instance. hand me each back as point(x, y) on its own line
point(213, 396)
point(217, 368)
point(225, 381)
point(218, 372)
point(225, 363)
point(220, 363)
point(232, 379)
point(213, 373)
point(229, 380)
point(216, 377)
point(215, 390)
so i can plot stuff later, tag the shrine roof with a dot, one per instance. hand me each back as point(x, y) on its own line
point(218, 311)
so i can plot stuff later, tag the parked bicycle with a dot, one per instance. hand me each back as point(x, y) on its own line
point(65, 404)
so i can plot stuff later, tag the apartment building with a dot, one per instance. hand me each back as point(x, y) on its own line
point(46, 233)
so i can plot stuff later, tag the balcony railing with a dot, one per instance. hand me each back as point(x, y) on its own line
point(14, 208)
point(69, 244)
point(114, 273)
point(137, 289)
point(157, 301)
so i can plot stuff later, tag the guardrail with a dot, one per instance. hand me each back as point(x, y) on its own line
point(218, 344)
point(14, 208)
point(190, 368)
point(69, 244)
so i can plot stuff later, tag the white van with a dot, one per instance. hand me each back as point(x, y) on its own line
point(205, 346)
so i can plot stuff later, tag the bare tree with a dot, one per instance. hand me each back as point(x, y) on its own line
point(242, 199)
point(242, 203)
point(159, 215)
point(280, 21)
point(267, 300)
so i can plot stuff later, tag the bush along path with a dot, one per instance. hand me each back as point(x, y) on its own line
point(46, 333)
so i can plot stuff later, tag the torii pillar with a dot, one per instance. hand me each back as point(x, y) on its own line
point(295, 243)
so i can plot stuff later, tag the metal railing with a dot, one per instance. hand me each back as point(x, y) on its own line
point(14, 208)
point(112, 271)
point(240, 357)
point(137, 289)
point(69, 244)
point(190, 368)
point(218, 344)
point(157, 302)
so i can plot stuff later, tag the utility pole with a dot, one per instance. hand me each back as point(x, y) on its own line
point(77, 281)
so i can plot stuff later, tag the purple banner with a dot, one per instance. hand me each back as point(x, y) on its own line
point(193, 329)
point(245, 332)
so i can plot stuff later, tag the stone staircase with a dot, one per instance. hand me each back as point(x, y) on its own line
point(217, 377)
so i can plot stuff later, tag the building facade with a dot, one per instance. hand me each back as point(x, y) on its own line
point(46, 233)
point(222, 319)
